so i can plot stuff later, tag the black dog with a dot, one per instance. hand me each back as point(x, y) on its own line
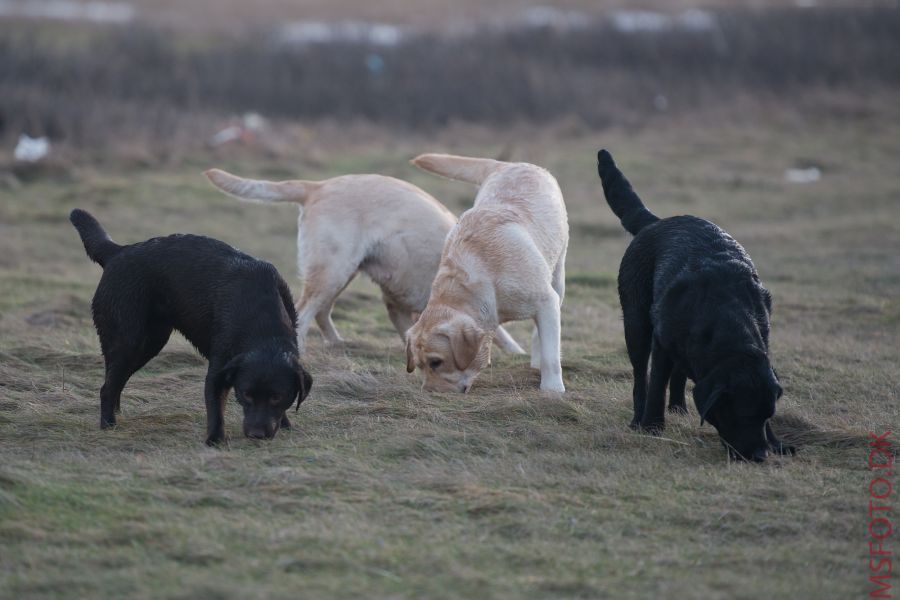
point(235, 309)
point(692, 300)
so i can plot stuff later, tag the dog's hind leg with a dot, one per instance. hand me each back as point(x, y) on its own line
point(535, 349)
point(320, 290)
point(558, 283)
point(654, 419)
point(110, 394)
point(122, 361)
point(548, 327)
point(638, 336)
point(558, 279)
point(326, 326)
point(676, 392)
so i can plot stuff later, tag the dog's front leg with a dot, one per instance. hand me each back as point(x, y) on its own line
point(777, 446)
point(548, 327)
point(215, 410)
point(654, 419)
point(676, 392)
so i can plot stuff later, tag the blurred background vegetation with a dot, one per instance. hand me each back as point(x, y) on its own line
point(158, 76)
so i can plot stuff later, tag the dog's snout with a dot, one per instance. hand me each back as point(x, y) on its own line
point(257, 433)
point(260, 432)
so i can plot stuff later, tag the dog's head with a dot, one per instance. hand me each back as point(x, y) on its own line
point(450, 349)
point(265, 385)
point(738, 398)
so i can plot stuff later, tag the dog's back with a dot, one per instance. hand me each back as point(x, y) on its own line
point(516, 194)
point(193, 282)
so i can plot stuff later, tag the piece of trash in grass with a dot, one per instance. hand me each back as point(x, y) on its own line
point(95, 11)
point(807, 175)
point(355, 32)
point(246, 132)
point(223, 136)
point(31, 149)
point(639, 21)
point(254, 121)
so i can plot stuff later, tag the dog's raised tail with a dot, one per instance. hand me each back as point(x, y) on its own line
point(259, 190)
point(97, 243)
point(461, 168)
point(621, 197)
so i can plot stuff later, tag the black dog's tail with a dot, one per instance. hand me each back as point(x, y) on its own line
point(99, 247)
point(621, 197)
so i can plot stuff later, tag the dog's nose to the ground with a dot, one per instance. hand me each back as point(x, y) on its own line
point(258, 433)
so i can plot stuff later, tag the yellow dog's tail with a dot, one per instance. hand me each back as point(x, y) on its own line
point(461, 168)
point(296, 191)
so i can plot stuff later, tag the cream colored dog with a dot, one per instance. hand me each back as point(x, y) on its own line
point(389, 229)
point(504, 261)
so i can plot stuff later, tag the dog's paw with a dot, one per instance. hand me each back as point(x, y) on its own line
point(217, 441)
point(653, 428)
point(678, 409)
point(108, 423)
point(552, 384)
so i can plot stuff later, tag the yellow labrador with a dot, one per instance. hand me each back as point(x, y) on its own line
point(387, 228)
point(504, 261)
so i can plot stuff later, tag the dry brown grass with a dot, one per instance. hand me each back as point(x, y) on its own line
point(382, 490)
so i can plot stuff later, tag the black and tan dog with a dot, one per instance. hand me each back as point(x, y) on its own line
point(692, 301)
point(235, 309)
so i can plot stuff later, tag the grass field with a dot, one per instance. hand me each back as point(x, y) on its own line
point(382, 490)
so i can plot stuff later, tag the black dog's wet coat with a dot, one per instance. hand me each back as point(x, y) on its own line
point(236, 310)
point(692, 301)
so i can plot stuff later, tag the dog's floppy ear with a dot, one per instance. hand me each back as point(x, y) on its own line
point(225, 377)
point(707, 392)
point(304, 383)
point(776, 382)
point(767, 298)
point(465, 344)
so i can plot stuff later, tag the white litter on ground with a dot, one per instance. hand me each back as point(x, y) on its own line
point(67, 10)
point(31, 149)
point(223, 136)
point(251, 126)
point(554, 18)
point(633, 21)
point(320, 32)
point(254, 121)
point(808, 175)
